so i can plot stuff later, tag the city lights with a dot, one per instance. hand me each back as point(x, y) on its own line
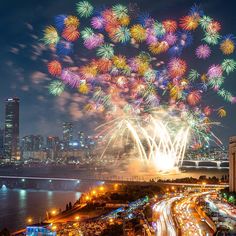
point(29, 220)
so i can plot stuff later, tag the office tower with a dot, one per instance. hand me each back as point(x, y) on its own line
point(26, 143)
point(81, 138)
point(53, 142)
point(232, 164)
point(38, 142)
point(53, 146)
point(67, 129)
point(32, 143)
point(1, 141)
point(11, 139)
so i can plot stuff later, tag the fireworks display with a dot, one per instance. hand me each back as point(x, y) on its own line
point(137, 69)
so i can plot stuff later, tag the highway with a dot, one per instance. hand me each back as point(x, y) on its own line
point(66, 216)
point(191, 220)
point(222, 207)
point(165, 223)
point(181, 216)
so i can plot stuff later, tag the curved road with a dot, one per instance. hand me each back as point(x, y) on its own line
point(185, 213)
point(165, 222)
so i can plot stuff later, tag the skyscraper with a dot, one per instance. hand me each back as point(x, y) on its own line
point(32, 143)
point(53, 142)
point(81, 138)
point(11, 140)
point(232, 164)
point(67, 129)
point(53, 146)
point(1, 141)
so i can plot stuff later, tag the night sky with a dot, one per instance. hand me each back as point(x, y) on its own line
point(23, 59)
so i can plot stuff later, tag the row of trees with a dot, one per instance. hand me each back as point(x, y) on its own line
point(228, 196)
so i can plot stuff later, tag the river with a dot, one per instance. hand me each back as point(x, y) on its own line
point(16, 205)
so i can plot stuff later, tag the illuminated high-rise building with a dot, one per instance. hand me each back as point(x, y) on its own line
point(81, 138)
point(53, 146)
point(67, 129)
point(1, 141)
point(11, 137)
point(53, 142)
point(232, 164)
point(32, 143)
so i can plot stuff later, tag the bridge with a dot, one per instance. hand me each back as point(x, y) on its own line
point(86, 183)
point(209, 164)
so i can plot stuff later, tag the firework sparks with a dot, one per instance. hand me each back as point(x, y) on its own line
point(145, 90)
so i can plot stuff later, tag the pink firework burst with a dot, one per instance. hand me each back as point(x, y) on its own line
point(94, 41)
point(233, 100)
point(133, 64)
point(215, 71)
point(98, 22)
point(151, 36)
point(203, 51)
point(170, 38)
point(70, 78)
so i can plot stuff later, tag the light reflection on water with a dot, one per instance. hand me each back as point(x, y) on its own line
point(18, 204)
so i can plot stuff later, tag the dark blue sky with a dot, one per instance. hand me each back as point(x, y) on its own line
point(23, 58)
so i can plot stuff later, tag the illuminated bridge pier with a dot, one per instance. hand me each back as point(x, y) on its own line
point(211, 164)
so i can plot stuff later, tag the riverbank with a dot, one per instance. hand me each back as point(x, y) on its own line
point(107, 205)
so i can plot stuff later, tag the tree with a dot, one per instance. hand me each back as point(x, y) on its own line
point(202, 177)
point(70, 206)
point(148, 212)
point(5, 232)
point(231, 199)
point(114, 230)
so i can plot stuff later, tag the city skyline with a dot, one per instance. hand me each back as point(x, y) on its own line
point(26, 79)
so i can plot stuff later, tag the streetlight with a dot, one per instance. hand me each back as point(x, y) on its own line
point(54, 212)
point(101, 188)
point(29, 220)
point(54, 227)
point(77, 218)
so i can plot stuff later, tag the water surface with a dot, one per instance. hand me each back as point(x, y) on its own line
point(16, 205)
